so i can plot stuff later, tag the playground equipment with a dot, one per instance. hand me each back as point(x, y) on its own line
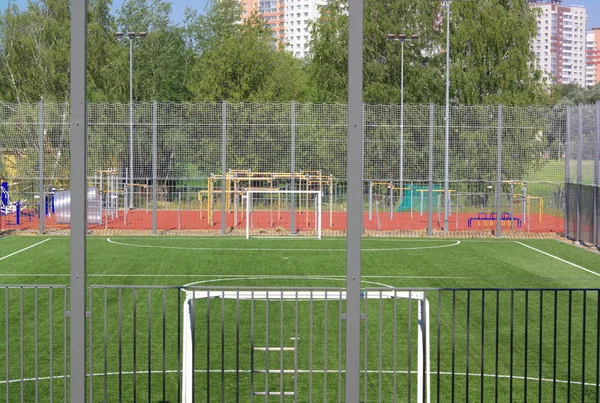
point(6, 205)
point(505, 217)
point(63, 206)
point(239, 182)
point(383, 193)
point(517, 194)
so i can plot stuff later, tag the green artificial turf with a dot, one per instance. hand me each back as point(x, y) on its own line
point(136, 324)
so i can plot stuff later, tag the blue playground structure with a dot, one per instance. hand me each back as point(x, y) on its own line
point(485, 217)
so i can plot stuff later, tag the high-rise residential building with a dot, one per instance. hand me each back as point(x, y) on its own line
point(289, 21)
point(592, 76)
point(272, 12)
point(560, 43)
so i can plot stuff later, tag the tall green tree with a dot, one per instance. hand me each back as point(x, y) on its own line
point(491, 59)
point(35, 51)
point(160, 60)
point(240, 62)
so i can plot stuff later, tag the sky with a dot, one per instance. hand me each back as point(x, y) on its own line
point(592, 6)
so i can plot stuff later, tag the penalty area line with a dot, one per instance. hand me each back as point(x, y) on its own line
point(559, 259)
point(302, 372)
point(24, 249)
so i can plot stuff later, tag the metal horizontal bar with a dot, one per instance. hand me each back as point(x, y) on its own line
point(274, 393)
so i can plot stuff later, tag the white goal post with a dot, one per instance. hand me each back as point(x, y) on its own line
point(270, 213)
point(423, 336)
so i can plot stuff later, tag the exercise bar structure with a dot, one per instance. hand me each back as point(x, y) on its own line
point(239, 182)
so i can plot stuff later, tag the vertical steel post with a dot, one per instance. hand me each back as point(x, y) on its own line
point(130, 120)
point(579, 169)
point(78, 200)
point(355, 199)
point(401, 120)
point(154, 164)
point(293, 167)
point(447, 136)
point(430, 178)
point(597, 175)
point(567, 173)
point(223, 166)
point(41, 168)
point(499, 179)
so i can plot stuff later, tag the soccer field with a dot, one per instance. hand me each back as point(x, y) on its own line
point(505, 321)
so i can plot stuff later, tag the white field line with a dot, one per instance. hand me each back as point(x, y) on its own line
point(225, 276)
point(324, 239)
point(109, 240)
point(300, 371)
point(559, 259)
point(24, 249)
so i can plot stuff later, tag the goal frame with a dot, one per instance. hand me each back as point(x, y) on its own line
point(318, 207)
point(423, 321)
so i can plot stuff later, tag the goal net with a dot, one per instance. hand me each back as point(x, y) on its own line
point(283, 213)
point(253, 344)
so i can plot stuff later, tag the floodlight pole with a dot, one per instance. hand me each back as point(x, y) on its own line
point(447, 135)
point(402, 38)
point(131, 36)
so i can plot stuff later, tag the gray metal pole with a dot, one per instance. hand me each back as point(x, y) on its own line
point(355, 199)
point(597, 175)
point(130, 121)
point(401, 119)
point(293, 167)
point(499, 180)
point(430, 178)
point(447, 136)
point(154, 163)
point(579, 169)
point(78, 201)
point(41, 167)
point(223, 165)
point(567, 172)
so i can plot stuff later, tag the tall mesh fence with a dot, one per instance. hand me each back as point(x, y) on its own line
point(506, 165)
point(583, 174)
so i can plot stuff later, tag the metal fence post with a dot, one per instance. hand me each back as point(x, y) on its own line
point(567, 205)
point(499, 180)
point(223, 166)
point(579, 169)
point(41, 166)
point(293, 167)
point(78, 200)
point(154, 163)
point(355, 200)
point(597, 175)
point(430, 177)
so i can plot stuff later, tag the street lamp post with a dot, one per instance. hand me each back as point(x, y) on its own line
point(402, 38)
point(447, 134)
point(131, 36)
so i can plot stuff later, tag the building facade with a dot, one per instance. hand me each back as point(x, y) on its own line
point(560, 43)
point(289, 21)
point(592, 76)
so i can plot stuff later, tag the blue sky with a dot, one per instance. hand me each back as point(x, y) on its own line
point(592, 6)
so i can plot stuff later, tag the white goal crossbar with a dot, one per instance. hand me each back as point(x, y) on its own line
point(317, 206)
point(423, 344)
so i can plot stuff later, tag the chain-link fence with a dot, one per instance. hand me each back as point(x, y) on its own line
point(165, 171)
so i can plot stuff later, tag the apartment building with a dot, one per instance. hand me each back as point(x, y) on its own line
point(289, 21)
point(560, 43)
point(592, 76)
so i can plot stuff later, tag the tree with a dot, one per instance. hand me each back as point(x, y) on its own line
point(572, 94)
point(491, 59)
point(35, 51)
point(161, 60)
point(239, 62)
